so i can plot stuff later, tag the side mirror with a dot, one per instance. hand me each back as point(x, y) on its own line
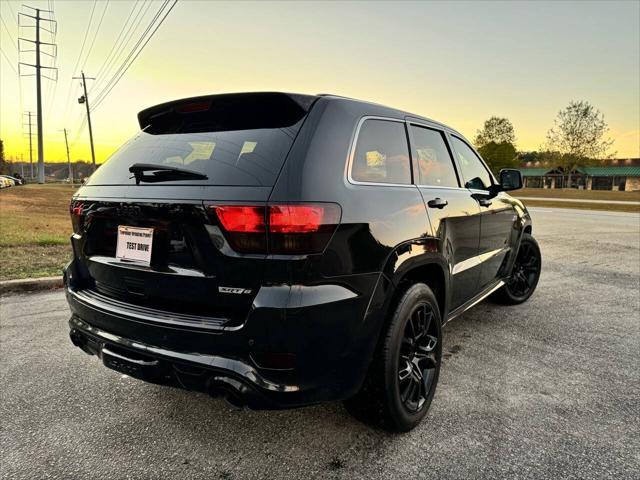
point(510, 179)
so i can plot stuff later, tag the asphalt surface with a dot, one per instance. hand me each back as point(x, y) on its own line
point(580, 200)
point(548, 389)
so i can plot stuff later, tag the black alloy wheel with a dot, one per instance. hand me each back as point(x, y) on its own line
point(403, 376)
point(417, 358)
point(524, 275)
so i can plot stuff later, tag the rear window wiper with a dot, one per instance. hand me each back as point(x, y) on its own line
point(162, 173)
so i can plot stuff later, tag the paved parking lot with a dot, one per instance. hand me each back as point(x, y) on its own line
point(547, 389)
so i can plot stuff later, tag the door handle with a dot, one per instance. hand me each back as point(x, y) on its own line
point(485, 202)
point(437, 203)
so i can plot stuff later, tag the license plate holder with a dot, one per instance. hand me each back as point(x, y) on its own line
point(134, 244)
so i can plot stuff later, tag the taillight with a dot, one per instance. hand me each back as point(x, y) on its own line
point(242, 218)
point(302, 228)
point(76, 209)
point(279, 228)
point(302, 218)
point(245, 227)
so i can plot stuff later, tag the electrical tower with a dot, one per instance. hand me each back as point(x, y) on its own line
point(39, 50)
point(30, 116)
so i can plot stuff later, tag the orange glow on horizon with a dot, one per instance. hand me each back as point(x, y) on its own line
point(458, 63)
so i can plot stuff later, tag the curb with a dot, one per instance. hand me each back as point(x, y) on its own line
point(30, 285)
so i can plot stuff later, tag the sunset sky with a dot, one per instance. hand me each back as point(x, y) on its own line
point(458, 62)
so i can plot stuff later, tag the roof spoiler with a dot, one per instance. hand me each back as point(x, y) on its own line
point(228, 111)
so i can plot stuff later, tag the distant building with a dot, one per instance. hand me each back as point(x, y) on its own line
point(618, 174)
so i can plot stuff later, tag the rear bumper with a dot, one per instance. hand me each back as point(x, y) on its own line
point(239, 382)
point(325, 328)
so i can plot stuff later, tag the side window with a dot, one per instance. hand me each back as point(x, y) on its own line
point(382, 153)
point(435, 166)
point(475, 174)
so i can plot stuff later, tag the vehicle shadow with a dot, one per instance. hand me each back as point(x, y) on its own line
point(208, 433)
point(319, 440)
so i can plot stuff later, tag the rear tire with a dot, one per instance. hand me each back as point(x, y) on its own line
point(404, 373)
point(524, 275)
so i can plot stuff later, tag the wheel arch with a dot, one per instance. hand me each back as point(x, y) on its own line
point(432, 274)
point(428, 268)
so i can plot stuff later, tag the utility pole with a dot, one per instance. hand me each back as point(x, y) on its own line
point(30, 146)
point(66, 142)
point(39, 98)
point(38, 66)
point(30, 142)
point(85, 99)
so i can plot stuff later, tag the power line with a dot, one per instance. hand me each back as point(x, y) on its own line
point(106, 5)
point(19, 80)
point(131, 31)
point(86, 33)
point(66, 109)
point(10, 63)
point(88, 53)
point(13, 14)
point(102, 95)
point(79, 132)
point(53, 86)
point(15, 19)
point(119, 45)
point(9, 33)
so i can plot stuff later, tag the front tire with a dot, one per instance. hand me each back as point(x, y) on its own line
point(403, 376)
point(524, 275)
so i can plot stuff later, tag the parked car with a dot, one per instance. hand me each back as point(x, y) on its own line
point(6, 181)
point(13, 180)
point(283, 250)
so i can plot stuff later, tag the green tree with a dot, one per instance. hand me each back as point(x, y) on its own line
point(533, 156)
point(3, 163)
point(579, 137)
point(499, 155)
point(497, 130)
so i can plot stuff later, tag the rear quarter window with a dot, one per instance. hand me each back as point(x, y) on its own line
point(382, 153)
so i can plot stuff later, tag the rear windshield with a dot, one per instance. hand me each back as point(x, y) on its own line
point(231, 140)
point(239, 157)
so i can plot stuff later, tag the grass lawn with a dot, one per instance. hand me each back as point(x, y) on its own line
point(583, 206)
point(573, 194)
point(34, 230)
point(578, 194)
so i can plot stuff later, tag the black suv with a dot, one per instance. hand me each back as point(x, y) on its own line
point(282, 250)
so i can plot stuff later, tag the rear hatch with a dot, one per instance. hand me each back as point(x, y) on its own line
point(153, 238)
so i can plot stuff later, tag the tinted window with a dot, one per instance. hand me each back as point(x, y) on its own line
point(475, 174)
point(435, 167)
point(238, 157)
point(234, 139)
point(382, 153)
